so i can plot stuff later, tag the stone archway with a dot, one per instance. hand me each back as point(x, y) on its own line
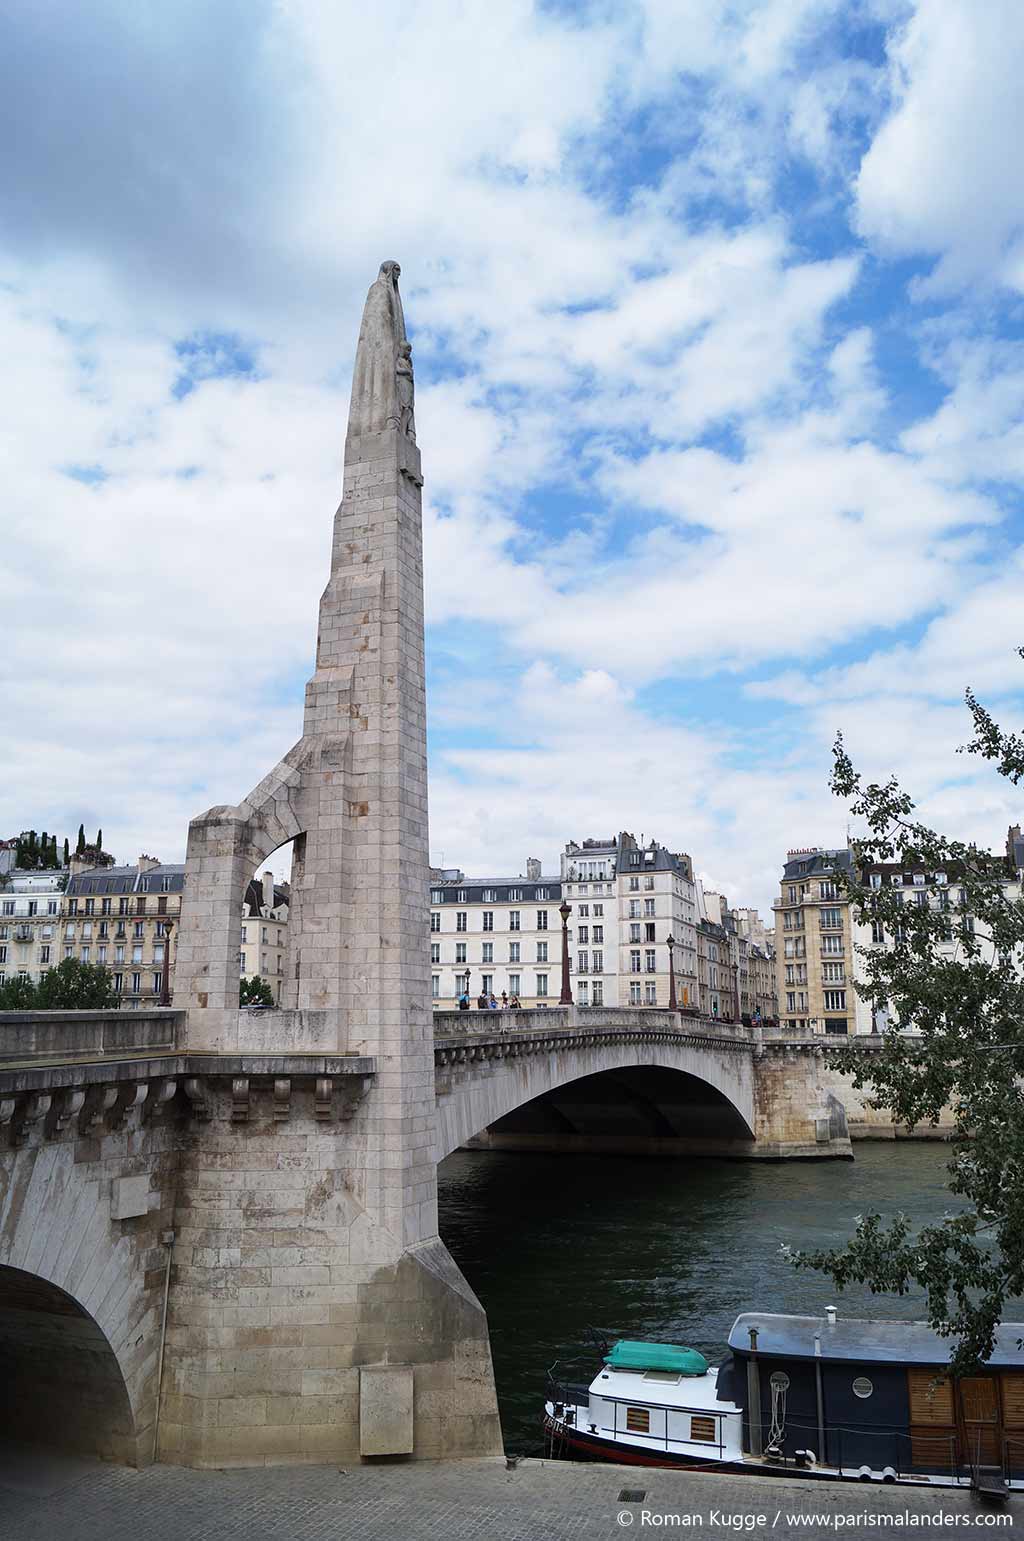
point(60, 1380)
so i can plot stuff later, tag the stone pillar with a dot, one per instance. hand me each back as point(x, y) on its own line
point(315, 1253)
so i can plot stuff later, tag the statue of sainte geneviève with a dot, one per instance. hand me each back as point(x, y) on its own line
point(382, 381)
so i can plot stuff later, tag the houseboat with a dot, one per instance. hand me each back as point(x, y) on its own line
point(820, 1397)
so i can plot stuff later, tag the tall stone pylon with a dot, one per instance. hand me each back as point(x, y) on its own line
point(308, 1236)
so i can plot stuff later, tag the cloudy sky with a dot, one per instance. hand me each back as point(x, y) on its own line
point(716, 306)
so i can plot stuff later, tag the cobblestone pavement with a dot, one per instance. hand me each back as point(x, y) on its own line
point(41, 1499)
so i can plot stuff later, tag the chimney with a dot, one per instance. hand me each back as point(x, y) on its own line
point(147, 863)
point(532, 868)
point(268, 890)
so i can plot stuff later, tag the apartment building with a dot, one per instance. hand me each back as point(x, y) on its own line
point(118, 917)
point(30, 904)
point(814, 945)
point(500, 936)
point(264, 949)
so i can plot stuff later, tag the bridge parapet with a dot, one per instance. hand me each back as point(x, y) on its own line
point(64, 1036)
point(486, 1024)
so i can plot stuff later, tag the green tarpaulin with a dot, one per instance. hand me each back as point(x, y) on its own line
point(627, 1355)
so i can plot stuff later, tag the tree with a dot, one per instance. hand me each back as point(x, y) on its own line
point(80, 847)
point(17, 994)
point(99, 840)
point(67, 852)
point(75, 986)
point(967, 1052)
point(255, 992)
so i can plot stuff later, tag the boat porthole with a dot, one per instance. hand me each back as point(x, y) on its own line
point(780, 1379)
point(862, 1387)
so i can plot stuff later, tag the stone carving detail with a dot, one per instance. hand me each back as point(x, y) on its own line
point(240, 1100)
point(161, 1093)
point(32, 1111)
point(71, 1104)
point(282, 1099)
point(382, 381)
point(132, 1096)
point(196, 1093)
point(97, 1105)
point(323, 1101)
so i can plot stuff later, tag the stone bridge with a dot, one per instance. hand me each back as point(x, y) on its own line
point(153, 1197)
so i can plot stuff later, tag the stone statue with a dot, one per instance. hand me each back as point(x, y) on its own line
point(406, 388)
point(382, 383)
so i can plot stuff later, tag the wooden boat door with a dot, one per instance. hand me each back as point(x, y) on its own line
point(980, 1424)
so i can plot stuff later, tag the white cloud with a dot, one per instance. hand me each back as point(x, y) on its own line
point(941, 176)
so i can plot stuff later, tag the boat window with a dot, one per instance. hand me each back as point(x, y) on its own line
point(862, 1387)
point(665, 1377)
point(703, 1428)
point(638, 1420)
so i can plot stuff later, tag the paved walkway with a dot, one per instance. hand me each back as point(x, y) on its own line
point(42, 1498)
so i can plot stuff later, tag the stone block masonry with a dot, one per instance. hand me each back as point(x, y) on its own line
point(304, 1271)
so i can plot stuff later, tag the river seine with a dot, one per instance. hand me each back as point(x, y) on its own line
point(665, 1250)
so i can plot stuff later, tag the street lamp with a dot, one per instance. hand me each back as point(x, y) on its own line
point(565, 999)
point(165, 992)
point(672, 1003)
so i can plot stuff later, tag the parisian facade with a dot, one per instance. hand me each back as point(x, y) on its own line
point(822, 944)
point(488, 936)
point(502, 937)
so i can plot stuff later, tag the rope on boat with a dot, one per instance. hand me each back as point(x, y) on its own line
point(777, 1429)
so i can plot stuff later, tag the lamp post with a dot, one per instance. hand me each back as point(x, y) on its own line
point(165, 991)
point(565, 999)
point(672, 1003)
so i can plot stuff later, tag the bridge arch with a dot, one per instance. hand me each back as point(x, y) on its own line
point(617, 1094)
point(61, 1382)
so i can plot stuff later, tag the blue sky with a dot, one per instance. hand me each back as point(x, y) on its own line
point(717, 314)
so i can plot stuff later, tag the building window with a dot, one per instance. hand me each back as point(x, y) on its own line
point(649, 934)
point(462, 896)
point(513, 920)
point(139, 930)
point(460, 952)
point(435, 921)
point(542, 952)
point(834, 974)
point(835, 1025)
point(435, 985)
point(158, 980)
point(634, 885)
point(597, 963)
point(598, 995)
point(542, 984)
point(513, 984)
point(513, 952)
point(436, 896)
point(488, 984)
point(85, 954)
point(634, 909)
point(791, 1000)
point(541, 893)
point(542, 920)
point(44, 954)
point(648, 906)
point(104, 930)
point(487, 954)
point(158, 955)
point(634, 931)
point(488, 920)
point(118, 983)
point(583, 993)
point(634, 992)
point(831, 944)
point(515, 894)
point(650, 961)
point(136, 983)
point(241, 961)
point(136, 954)
point(829, 891)
point(9, 907)
point(119, 954)
point(461, 921)
point(582, 963)
point(51, 906)
point(140, 906)
point(835, 1000)
point(86, 929)
point(634, 961)
point(435, 952)
point(583, 933)
point(69, 952)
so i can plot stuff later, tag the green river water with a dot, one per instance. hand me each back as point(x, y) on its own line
point(664, 1250)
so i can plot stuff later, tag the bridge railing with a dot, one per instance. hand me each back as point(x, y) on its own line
point(61, 1036)
point(485, 1023)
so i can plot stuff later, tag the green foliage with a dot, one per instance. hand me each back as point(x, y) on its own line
point(966, 1003)
point(80, 846)
point(17, 995)
point(255, 992)
point(34, 853)
point(75, 986)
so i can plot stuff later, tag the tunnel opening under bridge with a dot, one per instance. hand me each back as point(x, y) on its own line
point(60, 1381)
point(637, 1110)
